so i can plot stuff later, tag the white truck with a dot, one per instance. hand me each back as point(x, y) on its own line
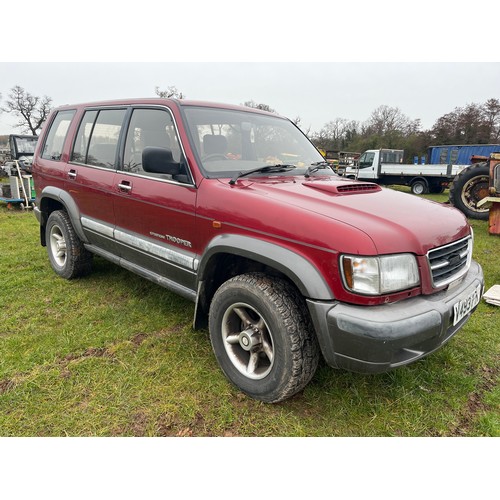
point(385, 166)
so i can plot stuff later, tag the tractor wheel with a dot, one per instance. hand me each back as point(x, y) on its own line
point(469, 187)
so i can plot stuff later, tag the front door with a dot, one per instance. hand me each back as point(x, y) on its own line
point(155, 213)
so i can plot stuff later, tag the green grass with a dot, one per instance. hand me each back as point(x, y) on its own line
point(115, 355)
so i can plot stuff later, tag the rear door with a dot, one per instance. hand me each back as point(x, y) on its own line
point(91, 173)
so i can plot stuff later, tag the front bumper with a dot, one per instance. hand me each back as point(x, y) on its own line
point(378, 338)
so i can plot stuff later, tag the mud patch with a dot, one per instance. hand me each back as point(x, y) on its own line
point(475, 403)
point(6, 385)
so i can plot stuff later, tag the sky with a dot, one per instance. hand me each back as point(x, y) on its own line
point(317, 92)
point(316, 60)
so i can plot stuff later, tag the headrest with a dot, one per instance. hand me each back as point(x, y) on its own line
point(213, 144)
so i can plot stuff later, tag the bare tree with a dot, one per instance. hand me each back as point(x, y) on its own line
point(336, 134)
point(32, 110)
point(445, 130)
point(262, 106)
point(306, 131)
point(386, 120)
point(491, 113)
point(169, 92)
point(471, 124)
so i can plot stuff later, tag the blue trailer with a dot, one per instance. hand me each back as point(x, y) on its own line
point(460, 154)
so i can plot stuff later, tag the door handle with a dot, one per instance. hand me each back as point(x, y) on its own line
point(72, 174)
point(125, 186)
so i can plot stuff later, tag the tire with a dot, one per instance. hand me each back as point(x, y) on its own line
point(470, 186)
point(419, 187)
point(262, 337)
point(67, 255)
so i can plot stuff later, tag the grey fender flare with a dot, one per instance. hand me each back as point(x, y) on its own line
point(69, 204)
point(299, 270)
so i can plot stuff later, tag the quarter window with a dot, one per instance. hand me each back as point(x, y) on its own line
point(53, 146)
point(81, 145)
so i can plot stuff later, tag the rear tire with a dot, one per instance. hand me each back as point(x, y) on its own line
point(262, 336)
point(469, 187)
point(67, 254)
point(419, 187)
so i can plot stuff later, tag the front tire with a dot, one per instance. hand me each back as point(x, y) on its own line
point(262, 336)
point(67, 255)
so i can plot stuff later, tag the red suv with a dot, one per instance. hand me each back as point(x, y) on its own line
point(236, 210)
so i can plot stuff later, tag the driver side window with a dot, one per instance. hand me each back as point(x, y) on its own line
point(149, 127)
point(366, 160)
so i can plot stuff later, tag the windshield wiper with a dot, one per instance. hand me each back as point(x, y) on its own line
point(316, 166)
point(266, 168)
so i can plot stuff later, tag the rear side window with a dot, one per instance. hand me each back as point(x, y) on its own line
point(97, 138)
point(54, 143)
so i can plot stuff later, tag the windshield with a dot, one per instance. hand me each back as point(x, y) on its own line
point(26, 145)
point(229, 142)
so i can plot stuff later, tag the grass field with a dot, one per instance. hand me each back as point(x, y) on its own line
point(115, 355)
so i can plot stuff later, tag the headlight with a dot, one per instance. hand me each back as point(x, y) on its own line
point(379, 275)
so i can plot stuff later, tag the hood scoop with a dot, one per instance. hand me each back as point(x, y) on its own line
point(344, 188)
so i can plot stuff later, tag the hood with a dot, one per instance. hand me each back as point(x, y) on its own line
point(394, 221)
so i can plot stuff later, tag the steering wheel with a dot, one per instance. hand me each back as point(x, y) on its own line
point(214, 156)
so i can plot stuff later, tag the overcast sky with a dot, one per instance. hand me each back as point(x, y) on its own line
point(239, 44)
point(317, 92)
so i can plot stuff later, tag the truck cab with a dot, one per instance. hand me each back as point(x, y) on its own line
point(367, 166)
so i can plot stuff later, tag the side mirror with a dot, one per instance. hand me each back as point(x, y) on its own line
point(159, 161)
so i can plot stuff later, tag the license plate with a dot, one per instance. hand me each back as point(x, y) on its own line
point(463, 307)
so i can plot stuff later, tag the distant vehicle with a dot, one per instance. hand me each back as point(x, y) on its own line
point(492, 200)
point(472, 185)
point(385, 166)
point(460, 154)
point(341, 159)
point(17, 168)
point(4, 153)
point(22, 149)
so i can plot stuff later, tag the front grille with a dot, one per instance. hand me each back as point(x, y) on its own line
point(450, 262)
